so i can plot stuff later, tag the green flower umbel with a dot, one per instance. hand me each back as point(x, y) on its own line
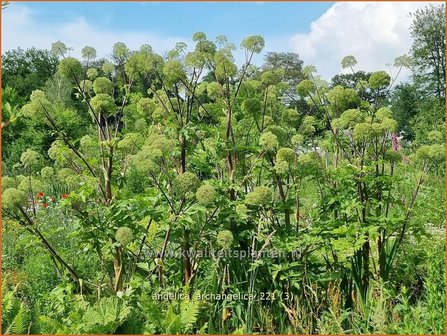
point(225, 239)
point(124, 235)
point(268, 141)
point(185, 182)
point(12, 198)
point(259, 196)
point(206, 195)
point(30, 158)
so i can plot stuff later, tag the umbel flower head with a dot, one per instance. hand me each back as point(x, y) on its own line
point(435, 137)
point(379, 80)
point(102, 85)
point(281, 133)
point(268, 121)
point(308, 125)
point(124, 235)
point(146, 106)
point(108, 67)
point(348, 119)
point(225, 239)
point(70, 67)
point(159, 145)
point(259, 196)
point(73, 181)
point(363, 132)
point(92, 73)
point(88, 53)
point(270, 77)
point(214, 90)
point(9, 182)
point(186, 182)
point(309, 163)
point(431, 153)
point(291, 117)
point(86, 85)
point(35, 183)
point(140, 126)
point(282, 167)
point(58, 48)
point(64, 173)
point(342, 98)
point(103, 103)
point(242, 211)
point(286, 154)
point(383, 112)
point(268, 141)
point(131, 141)
point(173, 72)
point(387, 125)
point(87, 142)
point(120, 50)
point(30, 158)
point(206, 194)
point(156, 147)
point(297, 139)
point(38, 106)
point(13, 197)
point(47, 173)
point(38, 96)
point(305, 87)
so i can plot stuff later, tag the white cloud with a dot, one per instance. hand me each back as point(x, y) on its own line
point(22, 29)
point(374, 32)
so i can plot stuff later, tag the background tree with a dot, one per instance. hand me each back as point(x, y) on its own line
point(27, 70)
point(354, 80)
point(404, 102)
point(292, 74)
point(428, 50)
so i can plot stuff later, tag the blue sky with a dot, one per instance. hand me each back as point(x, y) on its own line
point(235, 20)
point(322, 33)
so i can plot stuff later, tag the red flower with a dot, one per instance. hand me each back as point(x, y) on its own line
point(64, 196)
point(44, 205)
point(40, 193)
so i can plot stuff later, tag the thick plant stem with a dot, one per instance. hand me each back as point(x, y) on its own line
point(33, 229)
point(230, 157)
point(118, 265)
point(185, 255)
point(365, 276)
point(186, 260)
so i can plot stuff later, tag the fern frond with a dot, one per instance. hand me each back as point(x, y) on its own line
point(21, 322)
point(48, 325)
point(189, 310)
point(172, 323)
